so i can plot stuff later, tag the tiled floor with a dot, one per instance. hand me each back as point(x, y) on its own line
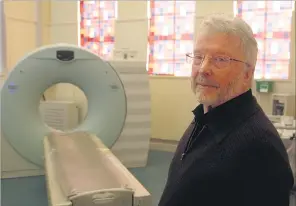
point(31, 191)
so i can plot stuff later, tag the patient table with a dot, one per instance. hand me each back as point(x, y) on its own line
point(82, 171)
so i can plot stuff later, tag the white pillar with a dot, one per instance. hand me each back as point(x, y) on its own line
point(38, 18)
point(2, 39)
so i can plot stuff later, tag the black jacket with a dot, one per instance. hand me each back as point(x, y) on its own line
point(230, 156)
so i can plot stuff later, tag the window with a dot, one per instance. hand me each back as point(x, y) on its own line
point(97, 26)
point(170, 37)
point(271, 23)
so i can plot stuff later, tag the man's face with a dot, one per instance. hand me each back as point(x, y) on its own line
point(213, 81)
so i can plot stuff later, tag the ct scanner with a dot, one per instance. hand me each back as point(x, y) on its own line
point(80, 167)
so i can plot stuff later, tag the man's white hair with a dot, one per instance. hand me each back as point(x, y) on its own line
point(233, 25)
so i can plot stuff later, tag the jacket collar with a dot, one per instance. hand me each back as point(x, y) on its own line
point(224, 118)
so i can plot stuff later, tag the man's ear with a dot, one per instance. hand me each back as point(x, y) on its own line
point(249, 73)
point(248, 76)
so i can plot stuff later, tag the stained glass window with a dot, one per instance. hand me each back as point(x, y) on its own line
point(171, 33)
point(97, 26)
point(271, 23)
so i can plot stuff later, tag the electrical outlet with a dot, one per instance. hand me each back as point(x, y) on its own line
point(117, 54)
point(125, 55)
point(133, 54)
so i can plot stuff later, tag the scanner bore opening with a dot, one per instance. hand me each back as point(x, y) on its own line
point(63, 92)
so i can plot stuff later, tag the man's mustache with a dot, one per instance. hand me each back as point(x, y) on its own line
point(206, 82)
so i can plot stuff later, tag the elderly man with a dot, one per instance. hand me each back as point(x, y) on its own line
point(231, 154)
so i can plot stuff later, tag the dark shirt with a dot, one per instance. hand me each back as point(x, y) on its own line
point(230, 156)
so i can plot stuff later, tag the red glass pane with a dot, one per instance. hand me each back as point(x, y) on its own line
point(185, 8)
point(279, 6)
point(253, 6)
point(279, 25)
point(261, 48)
point(163, 68)
point(163, 50)
point(276, 70)
point(259, 69)
point(184, 27)
point(256, 20)
point(181, 48)
point(162, 8)
point(277, 49)
point(163, 27)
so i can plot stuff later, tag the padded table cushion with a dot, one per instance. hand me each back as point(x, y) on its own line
point(80, 165)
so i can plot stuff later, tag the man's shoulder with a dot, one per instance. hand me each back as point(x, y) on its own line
point(261, 135)
point(257, 131)
point(259, 127)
